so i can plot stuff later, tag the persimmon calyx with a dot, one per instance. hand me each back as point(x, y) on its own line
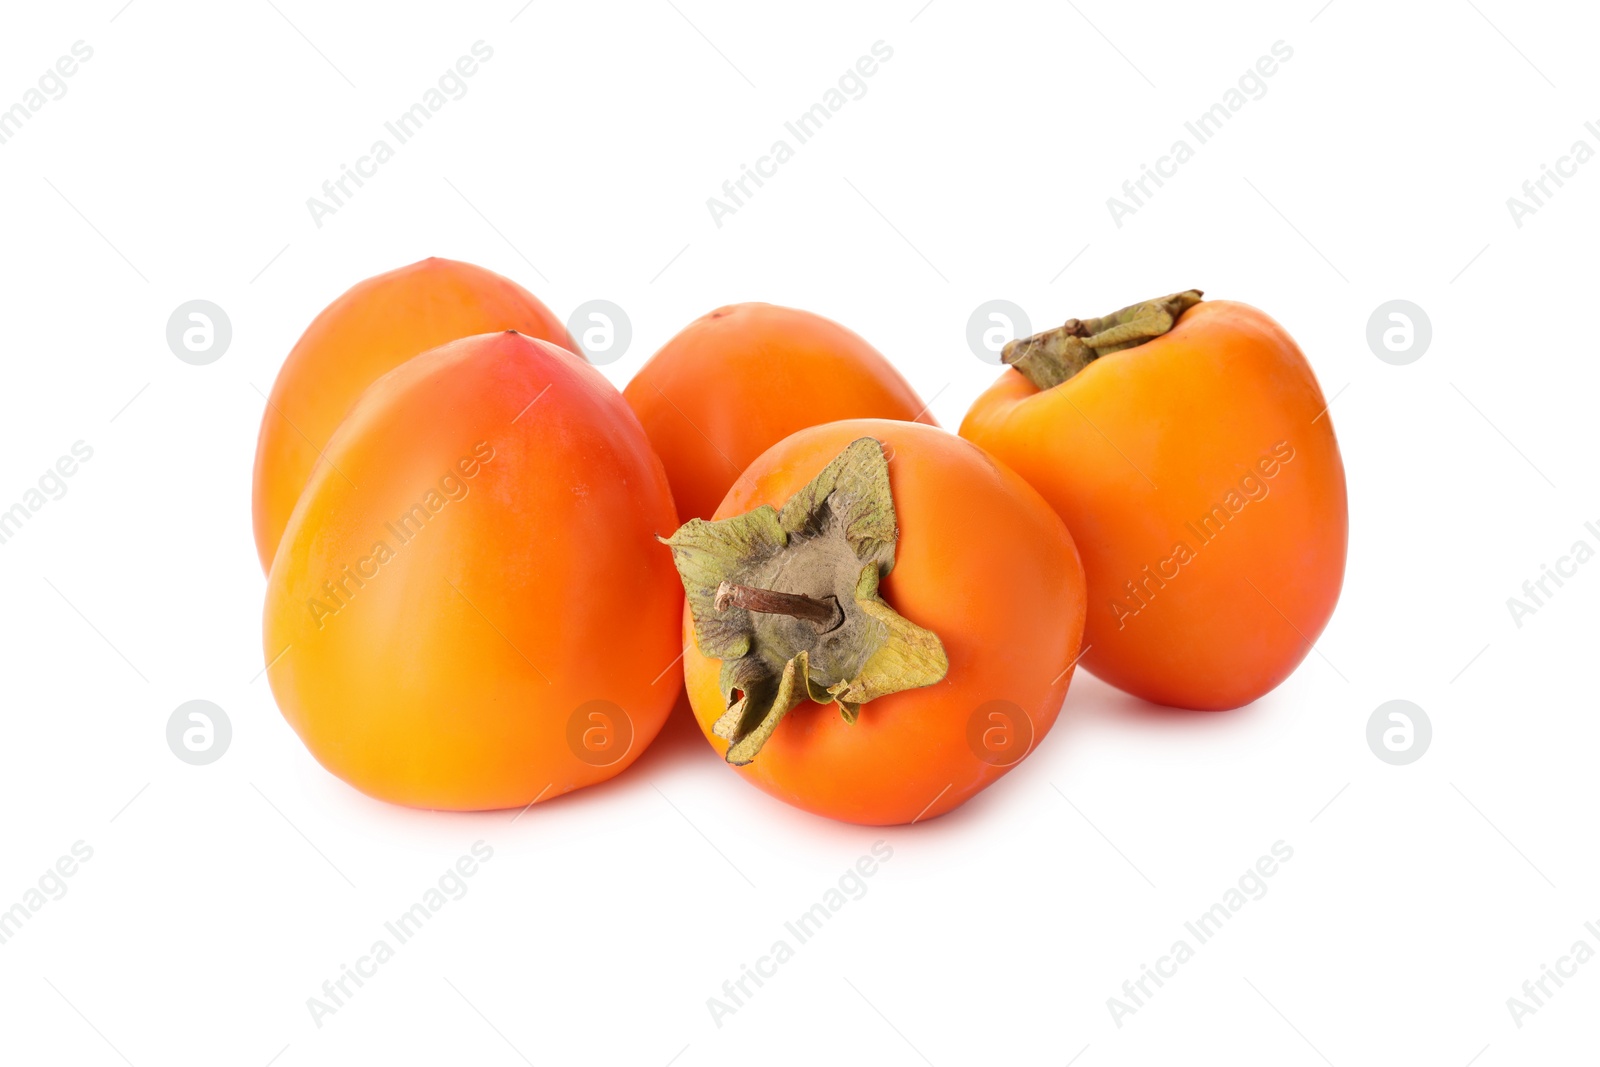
point(1047, 359)
point(789, 601)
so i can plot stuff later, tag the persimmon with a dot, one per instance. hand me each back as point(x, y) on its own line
point(470, 608)
point(881, 620)
point(738, 380)
point(374, 327)
point(1188, 447)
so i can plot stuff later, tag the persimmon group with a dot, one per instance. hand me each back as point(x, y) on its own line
point(484, 562)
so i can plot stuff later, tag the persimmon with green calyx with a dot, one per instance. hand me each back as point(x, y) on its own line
point(867, 595)
point(1189, 448)
point(469, 608)
point(374, 327)
point(735, 382)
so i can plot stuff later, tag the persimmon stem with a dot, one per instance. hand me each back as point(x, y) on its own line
point(1047, 359)
point(824, 614)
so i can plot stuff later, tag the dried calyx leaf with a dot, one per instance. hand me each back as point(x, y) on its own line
point(789, 601)
point(1047, 359)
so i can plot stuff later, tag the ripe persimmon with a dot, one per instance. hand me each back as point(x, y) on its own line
point(470, 608)
point(735, 382)
point(881, 620)
point(374, 327)
point(1189, 449)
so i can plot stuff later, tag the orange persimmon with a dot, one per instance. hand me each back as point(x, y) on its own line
point(374, 327)
point(469, 608)
point(1189, 449)
point(735, 382)
point(881, 620)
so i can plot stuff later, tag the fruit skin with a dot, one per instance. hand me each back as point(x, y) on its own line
point(1136, 449)
point(735, 382)
point(373, 328)
point(447, 678)
point(981, 561)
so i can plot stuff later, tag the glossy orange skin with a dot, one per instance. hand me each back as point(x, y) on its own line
point(735, 382)
point(449, 674)
point(373, 328)
point(984, 563)
point(1135, 451)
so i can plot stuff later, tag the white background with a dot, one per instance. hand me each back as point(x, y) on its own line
point(977, 166)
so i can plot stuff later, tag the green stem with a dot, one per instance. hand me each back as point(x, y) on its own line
point(1047, 359)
